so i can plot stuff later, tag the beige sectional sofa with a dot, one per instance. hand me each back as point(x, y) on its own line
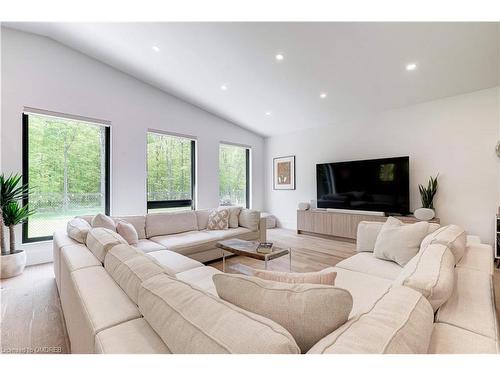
point(165, 302)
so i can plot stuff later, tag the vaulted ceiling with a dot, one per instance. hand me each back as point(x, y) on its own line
point(232, 70)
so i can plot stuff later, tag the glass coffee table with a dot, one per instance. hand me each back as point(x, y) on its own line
point(249, 249)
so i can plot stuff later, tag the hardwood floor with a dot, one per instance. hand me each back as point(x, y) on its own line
point(31, 315)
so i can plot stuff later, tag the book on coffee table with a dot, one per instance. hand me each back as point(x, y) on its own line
point(265, 248)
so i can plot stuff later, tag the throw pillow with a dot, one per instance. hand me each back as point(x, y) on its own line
point(249, 219)
point(309, 312)
point(234, 213)
point(218, 220)
point(78, 229)
point(323, 277)
point(103, 221)
point(399, 242)
point(127, 231)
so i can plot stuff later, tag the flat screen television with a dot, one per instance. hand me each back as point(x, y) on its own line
point(381, 185)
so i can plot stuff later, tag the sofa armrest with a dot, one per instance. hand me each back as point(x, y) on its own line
point(262, 229)
point(367, 235)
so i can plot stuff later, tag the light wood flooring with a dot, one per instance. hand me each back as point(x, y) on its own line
point(31, 315)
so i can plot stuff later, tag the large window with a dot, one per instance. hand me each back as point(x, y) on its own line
point(171, 172)
point(234, 175)
point(66, 166)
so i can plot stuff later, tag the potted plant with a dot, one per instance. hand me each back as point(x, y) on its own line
point(12, 190)
point(427, 197)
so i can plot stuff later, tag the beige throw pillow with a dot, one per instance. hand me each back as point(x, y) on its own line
point(399, 242)
point(234, 213)
point(218, 220)
point(127, 231)
point(78, 229)
point(103, 221)
point(320, 277)
point(309, 312)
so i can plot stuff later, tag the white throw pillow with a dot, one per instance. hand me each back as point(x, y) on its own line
point(234, 213)
point(103, 221)
point(218, 220)
point(399, 242)
point(127, 231)
point(78, 229)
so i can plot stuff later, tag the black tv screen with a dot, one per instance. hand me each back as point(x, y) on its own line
point(369, 185)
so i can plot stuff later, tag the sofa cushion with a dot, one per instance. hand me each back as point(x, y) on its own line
point(133, 337)
point(400, 322)
point(430, 272)
point(399, 242)
point(323, 277)
point(100, 240)
point(218, 219)
point(478, 257)
point(101, 301)
point(452, 236)
point(161, 224)
point(367, 263)
point(78, 229)
point(228, 233)
point(367, 233)
point(249, 219)
point(448, 339)
point(127, 231)
point(234, 213)
point(129, 268)
point(308, 311)
point(103, 221)
point(138, 221)
point(78, 256)
point(472, 304)
point(365, 289)
point(192, 321)
point(202, 218)
point(147, 246)
point(201, 277)
point(173, 262)
point(186, 239)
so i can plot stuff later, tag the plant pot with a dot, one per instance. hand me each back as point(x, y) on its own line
point(12, 264)
point(424, 214)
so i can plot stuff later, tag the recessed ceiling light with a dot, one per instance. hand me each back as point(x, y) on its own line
point(156, 48)
point(224, 87)
point(411, 66)
point(268, 113)
point(279, 57)
point(323, 95)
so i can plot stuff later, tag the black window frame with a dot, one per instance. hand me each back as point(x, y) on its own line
point(25, 152)
point(179, 203)
point(247, 172)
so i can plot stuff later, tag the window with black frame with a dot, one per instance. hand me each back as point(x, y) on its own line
point(234, 175)
point(66, 166)
point(171, 172)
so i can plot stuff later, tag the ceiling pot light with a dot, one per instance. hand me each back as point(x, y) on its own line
point(279, 57)
point(155, 48)
point(411, 66)
point(224, 87)
point(268, 113)
point(323, 95)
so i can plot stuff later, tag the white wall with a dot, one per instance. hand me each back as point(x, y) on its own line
point(454, 136)
point(40, 73)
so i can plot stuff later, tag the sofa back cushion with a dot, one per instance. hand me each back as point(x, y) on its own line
point(234, 213)
point(103, 221)
point(368, 231)
point(101, 240)
point(432, 273)
point(400, 322)
point(202, 218)
point(190, 320)
point(249, 219)
point(129, 267)
point(162, 224)
point(138, 221)
point(452, 236)
point(127, 231)
point(308, 311)
point(78, 229)
point(399, 242)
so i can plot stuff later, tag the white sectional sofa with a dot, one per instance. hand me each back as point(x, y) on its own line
point(165, 302)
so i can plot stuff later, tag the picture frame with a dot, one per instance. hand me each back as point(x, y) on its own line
point(284, 173)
